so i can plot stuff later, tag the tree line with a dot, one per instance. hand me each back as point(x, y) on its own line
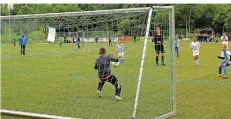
point(188, 17)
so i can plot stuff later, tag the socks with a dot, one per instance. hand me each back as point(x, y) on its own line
point(224, 68)
point(100, 85)
point(157, 58)
point(120, 60)
point(177, 53)
point(220, 70)
point(118, 89)
point(197, 62)
point(225, 71)
point(162, 58)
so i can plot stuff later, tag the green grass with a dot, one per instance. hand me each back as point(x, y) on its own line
point(63, 82)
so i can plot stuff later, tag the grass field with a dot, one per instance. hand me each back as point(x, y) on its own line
point(63, 82)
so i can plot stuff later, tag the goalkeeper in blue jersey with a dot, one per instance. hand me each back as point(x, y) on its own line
point(226, 61)
point(102, 65)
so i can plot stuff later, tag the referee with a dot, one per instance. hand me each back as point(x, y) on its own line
point(158, 41)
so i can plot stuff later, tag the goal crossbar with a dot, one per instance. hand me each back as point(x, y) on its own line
point(79, 13)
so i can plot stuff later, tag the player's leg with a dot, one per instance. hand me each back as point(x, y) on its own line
point(100, 87)
point(224, 65)
point(122, 56)
point(157, 49)
point(21, 50)
point(196, 57)
point(77, 45)
point(162, 55)
point(114, 81)
point(220, 69)
point(177, 51)
point(24, 49)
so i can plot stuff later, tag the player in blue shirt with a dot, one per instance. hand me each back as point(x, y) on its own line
point(23, 43)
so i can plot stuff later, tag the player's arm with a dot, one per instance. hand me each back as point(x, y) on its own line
point(222, 38)
point(159, 39)
point(96, 66)
point(199, 45)
point(153, 40)
point(162, 39)
point(20, 40)
point(191, 46)
point(220, 57)
point(113, 59)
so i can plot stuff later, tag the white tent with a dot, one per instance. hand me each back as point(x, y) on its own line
point(51, 35)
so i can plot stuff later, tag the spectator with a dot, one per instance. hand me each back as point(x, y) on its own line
point(23, 42)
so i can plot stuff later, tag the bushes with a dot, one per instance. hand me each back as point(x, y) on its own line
point(34, 36)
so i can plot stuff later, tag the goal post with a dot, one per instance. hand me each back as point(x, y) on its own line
point(148, 90)
point(171, 38)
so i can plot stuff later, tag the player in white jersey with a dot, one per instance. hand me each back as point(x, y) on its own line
point(195, 46)
point(120, 51)
point(224, 39)
point(226, 61)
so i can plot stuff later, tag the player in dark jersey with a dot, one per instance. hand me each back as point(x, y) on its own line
point(78, 41)
point(14, 42)
point(158, 41)
point(102, 65)
point(109, 40)
point(134, 36)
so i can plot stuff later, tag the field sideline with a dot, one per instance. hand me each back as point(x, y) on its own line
point(63, 82)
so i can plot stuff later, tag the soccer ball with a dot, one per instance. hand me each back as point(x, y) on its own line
point(115, 64)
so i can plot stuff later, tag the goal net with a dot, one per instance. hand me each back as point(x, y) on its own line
point(62, 80)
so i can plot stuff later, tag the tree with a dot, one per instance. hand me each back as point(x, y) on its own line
point(4, 10)
point(186, 15)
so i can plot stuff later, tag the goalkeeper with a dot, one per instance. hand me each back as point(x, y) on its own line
point(226, 61)
point(102, 65)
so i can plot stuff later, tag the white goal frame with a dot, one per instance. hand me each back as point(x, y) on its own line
point(172, 52)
